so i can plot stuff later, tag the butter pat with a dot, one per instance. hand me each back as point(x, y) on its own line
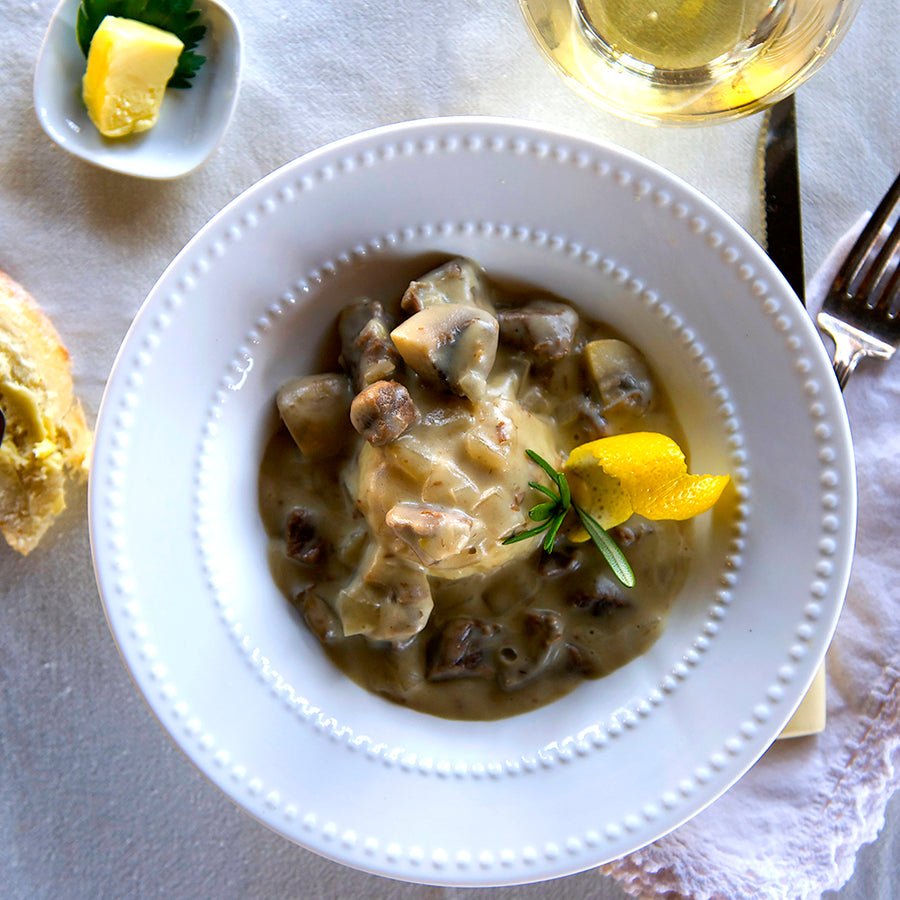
point(810, 715)
point(128, 67)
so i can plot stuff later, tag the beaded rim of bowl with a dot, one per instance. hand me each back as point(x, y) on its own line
point(567, 747)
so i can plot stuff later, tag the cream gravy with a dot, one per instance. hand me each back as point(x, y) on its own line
point(390, 539)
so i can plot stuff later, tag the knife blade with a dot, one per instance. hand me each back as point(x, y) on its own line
point(783, 223)
point(782, 217)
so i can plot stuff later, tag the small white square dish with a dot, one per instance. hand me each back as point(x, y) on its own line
point(192, 122)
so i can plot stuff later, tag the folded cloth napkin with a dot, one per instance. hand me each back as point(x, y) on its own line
point(792, 826)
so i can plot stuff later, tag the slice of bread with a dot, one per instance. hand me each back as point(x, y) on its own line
point(46, 441)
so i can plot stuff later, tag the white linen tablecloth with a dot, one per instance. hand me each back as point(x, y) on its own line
point(95, 801)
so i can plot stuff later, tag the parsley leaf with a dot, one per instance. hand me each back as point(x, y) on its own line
point(175, 16)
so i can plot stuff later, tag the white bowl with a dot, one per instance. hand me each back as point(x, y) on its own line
point(244, 688)
point(192, 121)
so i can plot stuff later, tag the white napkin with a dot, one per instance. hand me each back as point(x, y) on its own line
point(792, 826)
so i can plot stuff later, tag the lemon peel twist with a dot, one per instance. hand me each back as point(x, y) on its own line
point(642, 472)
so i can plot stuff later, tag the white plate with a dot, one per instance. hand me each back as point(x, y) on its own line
point(244, 688)
point(192, 121)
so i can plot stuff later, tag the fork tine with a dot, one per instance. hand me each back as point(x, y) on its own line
point(876, 272)
point(889, 295)
point(855, 260)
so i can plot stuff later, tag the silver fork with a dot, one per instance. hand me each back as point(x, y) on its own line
point(859, 311)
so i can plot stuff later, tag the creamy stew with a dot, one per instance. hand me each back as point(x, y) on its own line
point(398, 474)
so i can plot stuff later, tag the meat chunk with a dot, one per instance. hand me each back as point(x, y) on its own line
point(367, 353)
point(450, 346)
point(432, 533)
point(303, 542)
point(584, 418)
point(542, 629)
point(544, 328)
point(561, 562)
point(629, 532)
point(602, 598)
point(461, 649)
point(458, 281)
point(316, 409)
point(382, 411)
point(320, 618)
point(620, 374)
point(541, 637)
point(579, 662)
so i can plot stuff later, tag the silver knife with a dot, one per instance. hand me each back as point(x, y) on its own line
point(784, 244)
point(782, 218)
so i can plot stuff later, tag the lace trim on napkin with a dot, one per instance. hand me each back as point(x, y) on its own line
point(849, 809)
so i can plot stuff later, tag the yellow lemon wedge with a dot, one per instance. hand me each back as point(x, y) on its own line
point(642, 472)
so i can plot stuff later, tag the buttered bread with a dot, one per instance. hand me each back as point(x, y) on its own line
point(46, 441)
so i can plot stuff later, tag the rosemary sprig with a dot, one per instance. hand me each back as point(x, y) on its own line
point(551, 513)
point(607, 546)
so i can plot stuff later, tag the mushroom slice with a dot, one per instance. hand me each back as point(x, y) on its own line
point(450, 346)
point(388, 600)
point(315, 409)
point(620, 374)
point(367, 353)
point(431, 532)
point(459, 281)
point(544, 328)
point(382, 411)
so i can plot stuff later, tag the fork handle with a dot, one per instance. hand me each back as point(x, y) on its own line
point(847, 354)
point(850, 344)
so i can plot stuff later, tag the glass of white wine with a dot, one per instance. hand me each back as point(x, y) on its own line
point(685, 62)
